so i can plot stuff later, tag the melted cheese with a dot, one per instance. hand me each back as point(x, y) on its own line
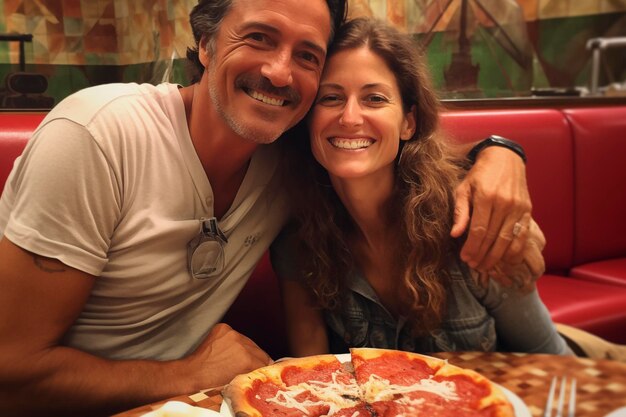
point(332, 393)
point(379, 389)
point(338, 395)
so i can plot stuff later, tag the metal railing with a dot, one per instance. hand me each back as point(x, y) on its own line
point(21, 38)
point(598, 46)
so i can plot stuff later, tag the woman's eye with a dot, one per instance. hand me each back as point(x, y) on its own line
point(329, 99)
point(376, 99)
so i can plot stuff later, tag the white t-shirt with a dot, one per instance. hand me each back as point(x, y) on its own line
point(110, 184)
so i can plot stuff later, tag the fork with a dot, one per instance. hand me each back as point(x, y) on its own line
point(571, 411)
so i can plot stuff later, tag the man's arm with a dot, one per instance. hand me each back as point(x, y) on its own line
point(495, 195)
point(526, 272)
point(39, 301)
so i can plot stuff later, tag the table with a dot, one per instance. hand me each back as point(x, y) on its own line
point(601, 383)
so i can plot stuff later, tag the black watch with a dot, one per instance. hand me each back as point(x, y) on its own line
point(495, 140)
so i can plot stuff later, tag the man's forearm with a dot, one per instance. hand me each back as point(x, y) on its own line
point(64, 381)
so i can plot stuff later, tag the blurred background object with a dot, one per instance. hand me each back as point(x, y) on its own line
point(599, 47)
point(23, 90)
point(475, 48)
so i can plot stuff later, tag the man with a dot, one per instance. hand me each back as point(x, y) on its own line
point(111, 293)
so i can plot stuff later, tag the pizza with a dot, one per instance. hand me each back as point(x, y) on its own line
point(372, 383)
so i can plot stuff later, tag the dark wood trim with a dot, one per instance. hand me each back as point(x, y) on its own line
point(532, 102)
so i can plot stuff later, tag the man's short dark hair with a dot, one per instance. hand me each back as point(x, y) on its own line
point(206, 17)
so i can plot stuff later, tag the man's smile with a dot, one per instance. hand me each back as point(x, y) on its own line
point(257, 95)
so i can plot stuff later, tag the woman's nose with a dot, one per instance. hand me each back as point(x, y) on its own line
point(351, 114)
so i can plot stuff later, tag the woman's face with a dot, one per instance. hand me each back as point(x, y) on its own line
point(357, 121)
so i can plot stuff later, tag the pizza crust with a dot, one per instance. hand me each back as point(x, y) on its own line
point(369, 354)
point(235, 393)
point(275, 370)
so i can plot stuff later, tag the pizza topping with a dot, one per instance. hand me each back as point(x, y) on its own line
point(325, 371)
point(333, 393)
point(287, 399)
point(379, 389)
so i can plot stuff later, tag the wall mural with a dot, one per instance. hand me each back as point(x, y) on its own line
point(475, 48)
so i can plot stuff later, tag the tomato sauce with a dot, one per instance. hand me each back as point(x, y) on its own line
point(395, 368)
point(293, 375)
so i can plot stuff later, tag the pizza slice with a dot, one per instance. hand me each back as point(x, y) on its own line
point(311, 386)
point(403, 383)
point(477, 394)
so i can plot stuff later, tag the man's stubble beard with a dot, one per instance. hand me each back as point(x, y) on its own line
point(244, 130)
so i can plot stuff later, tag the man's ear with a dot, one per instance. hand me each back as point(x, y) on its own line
point(408, 125)
point(203, 51)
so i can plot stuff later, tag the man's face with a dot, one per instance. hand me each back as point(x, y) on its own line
point(266, 65)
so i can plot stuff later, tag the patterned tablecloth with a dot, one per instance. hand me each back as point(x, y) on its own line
point(601, 383)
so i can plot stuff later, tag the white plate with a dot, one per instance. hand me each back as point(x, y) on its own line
point(520, 409)
point(180, 409)
point(226, 411)
point(620, 412)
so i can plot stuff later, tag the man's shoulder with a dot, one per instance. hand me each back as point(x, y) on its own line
point(109, 99)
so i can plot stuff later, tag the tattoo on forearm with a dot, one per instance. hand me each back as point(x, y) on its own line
point(47, 265)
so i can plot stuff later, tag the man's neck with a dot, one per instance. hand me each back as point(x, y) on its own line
point(224, 155)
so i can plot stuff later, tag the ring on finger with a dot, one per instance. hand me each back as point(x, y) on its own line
point(517, 228)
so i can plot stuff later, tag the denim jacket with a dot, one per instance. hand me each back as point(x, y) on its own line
point(477, 318)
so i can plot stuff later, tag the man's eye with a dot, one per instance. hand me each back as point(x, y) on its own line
point(308, 56)
point(257, 37)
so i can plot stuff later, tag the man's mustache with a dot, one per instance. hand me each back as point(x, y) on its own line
point(265, 85)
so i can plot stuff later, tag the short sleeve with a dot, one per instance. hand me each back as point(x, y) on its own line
point(64, 197)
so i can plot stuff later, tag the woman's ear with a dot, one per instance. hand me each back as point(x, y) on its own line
point(408, 125)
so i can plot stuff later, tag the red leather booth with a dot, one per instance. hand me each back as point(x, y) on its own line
point(576, 178)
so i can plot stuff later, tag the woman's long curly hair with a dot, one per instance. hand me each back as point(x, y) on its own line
point(422, 205)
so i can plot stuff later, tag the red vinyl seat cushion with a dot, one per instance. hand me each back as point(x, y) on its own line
point(547, 141)
point(612, 271)
point(15, 130)
point(592, 306)
point(600, 182)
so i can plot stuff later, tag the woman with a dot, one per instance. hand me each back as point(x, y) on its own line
point(385, 272)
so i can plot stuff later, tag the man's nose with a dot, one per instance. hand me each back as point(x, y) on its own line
point(351, 114)
point(278, 70)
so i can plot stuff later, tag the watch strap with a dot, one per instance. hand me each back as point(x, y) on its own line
point(495, 140)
